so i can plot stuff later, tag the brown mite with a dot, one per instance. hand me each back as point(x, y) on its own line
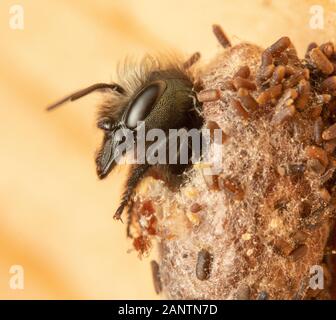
point(156, 276)
point(221, 36)
point(203, 265)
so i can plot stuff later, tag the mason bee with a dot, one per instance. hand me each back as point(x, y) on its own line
point(161, 95)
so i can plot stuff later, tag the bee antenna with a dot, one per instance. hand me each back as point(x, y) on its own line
point(81, 93)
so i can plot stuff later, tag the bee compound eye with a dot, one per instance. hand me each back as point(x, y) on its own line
point(143, 104)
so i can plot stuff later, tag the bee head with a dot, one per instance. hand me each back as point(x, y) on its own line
point(160, 104)
point(160, 97)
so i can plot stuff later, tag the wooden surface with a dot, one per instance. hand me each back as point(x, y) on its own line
point(55, 216)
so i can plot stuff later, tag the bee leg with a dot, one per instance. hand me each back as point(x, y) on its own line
point(135, 177)
point(129, 218)
point(192, 60)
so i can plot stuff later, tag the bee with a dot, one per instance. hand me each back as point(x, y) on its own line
point(162, 95)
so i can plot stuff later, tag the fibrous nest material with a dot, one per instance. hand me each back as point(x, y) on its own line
point(255, 229)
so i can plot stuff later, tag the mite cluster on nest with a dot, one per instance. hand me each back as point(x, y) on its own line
point(254, 230)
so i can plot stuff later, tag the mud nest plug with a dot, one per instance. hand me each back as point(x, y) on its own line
point(259, 227)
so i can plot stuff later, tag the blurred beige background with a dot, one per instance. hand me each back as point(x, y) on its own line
point(55, 216)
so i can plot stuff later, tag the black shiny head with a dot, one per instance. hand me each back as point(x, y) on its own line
point(161, 104)
point(137, 110)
